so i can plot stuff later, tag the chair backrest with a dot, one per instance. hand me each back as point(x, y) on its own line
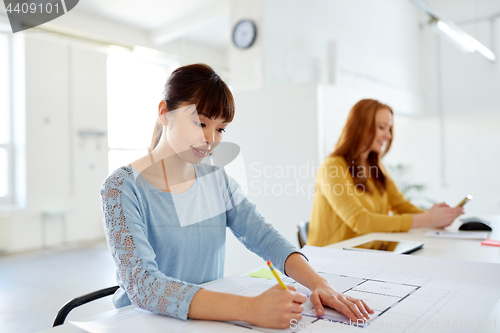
point(75, 302)
point(303, 227)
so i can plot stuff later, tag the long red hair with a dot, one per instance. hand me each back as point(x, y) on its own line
point(357, 137)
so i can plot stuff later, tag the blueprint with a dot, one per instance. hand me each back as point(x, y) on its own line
point(407, 293)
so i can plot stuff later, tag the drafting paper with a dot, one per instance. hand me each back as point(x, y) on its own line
point(407, 293)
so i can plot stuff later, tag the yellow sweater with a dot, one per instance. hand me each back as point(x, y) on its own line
point(340, 212)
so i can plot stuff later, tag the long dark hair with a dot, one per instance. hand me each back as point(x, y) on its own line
point(196, 84)
point(357, 136)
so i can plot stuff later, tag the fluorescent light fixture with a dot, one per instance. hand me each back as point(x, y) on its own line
point(457, 37)
point(461, 39)
point(454, 34)
point(485, 51)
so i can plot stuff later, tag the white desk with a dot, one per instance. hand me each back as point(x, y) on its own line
point(68, 328)
point(458, 249)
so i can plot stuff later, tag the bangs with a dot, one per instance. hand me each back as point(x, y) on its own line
point(214, 100)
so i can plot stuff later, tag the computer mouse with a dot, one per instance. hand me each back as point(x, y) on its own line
point(474, 224)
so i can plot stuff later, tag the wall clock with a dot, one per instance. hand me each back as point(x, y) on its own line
point(244, 34)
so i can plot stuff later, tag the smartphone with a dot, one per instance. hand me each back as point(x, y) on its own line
point(463, 202)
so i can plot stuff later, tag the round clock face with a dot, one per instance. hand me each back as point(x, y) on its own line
point(244, 34)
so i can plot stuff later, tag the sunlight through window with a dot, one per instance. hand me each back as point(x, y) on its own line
point(135, 88)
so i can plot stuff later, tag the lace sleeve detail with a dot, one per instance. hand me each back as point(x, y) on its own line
point(145, 285)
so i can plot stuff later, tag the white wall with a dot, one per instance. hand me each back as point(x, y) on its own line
point(246, 66)
point(188, 53)
point(377, 44)
point(381, 52)
point(471, 149)
point(472, 143)
point(276, 129)
point(65, 92)
point(375, 40)
point(377, 55)
point(108, 32)
point(89, 155)
point(466, 161)
point(384, 50)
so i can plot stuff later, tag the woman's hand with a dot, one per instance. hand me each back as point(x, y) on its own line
point(439, 216)
point(324, 294)
point(275, 308)
point(442, 215)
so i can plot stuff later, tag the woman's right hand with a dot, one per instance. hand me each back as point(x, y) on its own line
point(442, 215)
point(276, 308)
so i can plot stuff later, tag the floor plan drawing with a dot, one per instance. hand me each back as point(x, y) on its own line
point(402, 300)
point(395, 301)
point(408, 294)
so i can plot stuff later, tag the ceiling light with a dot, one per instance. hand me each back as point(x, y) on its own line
point(460, 38)
point(453, 33)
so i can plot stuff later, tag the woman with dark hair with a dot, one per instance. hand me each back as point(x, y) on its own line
point(165, 219)
point(354, 192)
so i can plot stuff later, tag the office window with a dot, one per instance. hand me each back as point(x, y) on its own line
point(135, 87)
point(6, 148)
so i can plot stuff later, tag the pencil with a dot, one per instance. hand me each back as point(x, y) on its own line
point(276, 275)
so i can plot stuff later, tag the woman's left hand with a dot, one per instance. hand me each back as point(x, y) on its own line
point(324, 294)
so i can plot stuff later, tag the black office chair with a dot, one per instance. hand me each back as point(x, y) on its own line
point(76, 302)
point(303, 227)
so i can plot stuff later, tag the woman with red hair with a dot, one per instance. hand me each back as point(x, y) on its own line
point(354, 192)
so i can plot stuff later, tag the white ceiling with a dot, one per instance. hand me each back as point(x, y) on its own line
point(465, 10)
point(165, 15)
point(215, 33)
point(143, 14)
point(150, 15)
